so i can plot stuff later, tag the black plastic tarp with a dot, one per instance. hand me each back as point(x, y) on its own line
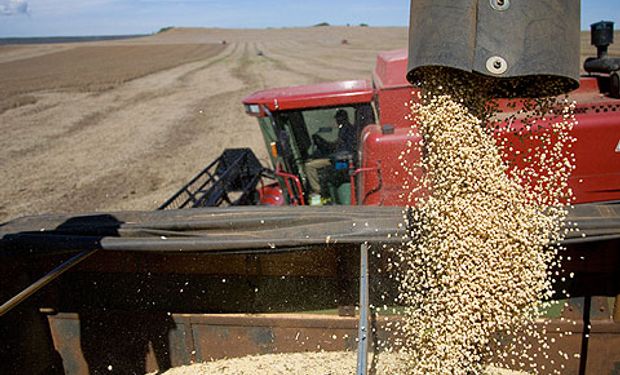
point(269, 229)
point(202, 230)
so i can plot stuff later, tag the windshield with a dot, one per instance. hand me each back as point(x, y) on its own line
point(324, 131)
point(323, 123)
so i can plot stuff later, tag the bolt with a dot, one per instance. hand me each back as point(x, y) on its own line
point(497, 65)
point(500, 5)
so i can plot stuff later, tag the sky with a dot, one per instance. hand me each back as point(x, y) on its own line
point(22, 18)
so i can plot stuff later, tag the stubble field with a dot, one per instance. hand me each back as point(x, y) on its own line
point(121, 125)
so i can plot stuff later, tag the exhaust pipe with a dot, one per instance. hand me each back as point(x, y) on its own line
point(609, 67)
point(602, 37)
point(524, 48)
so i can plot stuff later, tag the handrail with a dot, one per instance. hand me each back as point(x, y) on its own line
point(289, 188)
point(45, 280)
point(361, 171)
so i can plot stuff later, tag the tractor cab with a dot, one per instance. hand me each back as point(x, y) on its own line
point(312, 134)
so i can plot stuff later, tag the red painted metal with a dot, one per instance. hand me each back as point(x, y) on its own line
point(310, 96)
point(393, 91)
point(271, 195)
point(597, 174)
point(296, 199)
point(386, 149)
point(596, 178)
point(389, 69)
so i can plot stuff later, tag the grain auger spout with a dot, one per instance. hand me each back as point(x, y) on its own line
point(525, 48)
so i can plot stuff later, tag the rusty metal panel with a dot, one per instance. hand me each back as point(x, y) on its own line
point(564, 348)
point(180, 343)
point(238, 336)
point(617, 309)
point(603, 349)
point(128, 342)
point(66, 334)
point(196, 338)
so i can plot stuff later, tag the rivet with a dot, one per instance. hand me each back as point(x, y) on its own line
point(500, 5)
point(497, 65)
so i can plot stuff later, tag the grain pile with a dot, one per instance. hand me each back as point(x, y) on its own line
point(325, 363)
point(484, 220)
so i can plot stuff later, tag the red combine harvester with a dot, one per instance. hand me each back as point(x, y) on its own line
point(298, 126)
point(290, 118)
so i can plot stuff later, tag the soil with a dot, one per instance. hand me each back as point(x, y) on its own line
point(96, 68)
point(121, 125)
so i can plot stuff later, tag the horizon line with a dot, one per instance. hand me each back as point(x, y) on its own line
point(210, 27)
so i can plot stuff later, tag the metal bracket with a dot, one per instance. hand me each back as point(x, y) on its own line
point(364, 323)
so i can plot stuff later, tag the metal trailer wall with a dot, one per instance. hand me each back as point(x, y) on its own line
point(156, 274)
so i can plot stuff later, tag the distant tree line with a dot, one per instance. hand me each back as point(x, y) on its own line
point(164, 29)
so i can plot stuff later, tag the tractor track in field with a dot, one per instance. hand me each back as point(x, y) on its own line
point(329, 63)
point(329, 71)
point(188, 75)
point(283, 66)
point(189, 136)
point(95, 119)
point(98, 115)
point(183, 135)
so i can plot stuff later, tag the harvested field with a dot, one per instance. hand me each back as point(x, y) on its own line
point(123, 124)
point(92, 68)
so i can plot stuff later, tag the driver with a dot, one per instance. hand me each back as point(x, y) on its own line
point(344, 143)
